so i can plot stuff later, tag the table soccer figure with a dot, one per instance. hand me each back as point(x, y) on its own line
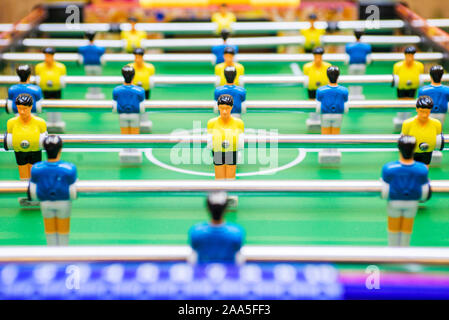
point(238, 93)
point(312, 35)
point(404, 184)
point(218, 51)
point(407, 78)
point(315, 76)
point(426, 130)
point(25, 134)
point(228, 55)
point(133, 37)
point(331, 104)
point(91, 56)
point(129, 104)
point(144, 71)
point(24, 73)
point(52, 183)
point(224, 18)
point(51, 76)
point(216, 241)
point(359, 54)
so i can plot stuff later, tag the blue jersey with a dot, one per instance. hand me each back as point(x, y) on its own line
point(32, 89)
point(332, 98)
point(218, 51)
point(128, 98)
point(53, 180)
point(91, 54)
point(237, 93)
point(405, 181)
point(439, 95)
point(218, 243)
point(357, 52)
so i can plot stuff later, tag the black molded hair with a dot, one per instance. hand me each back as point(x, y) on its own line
point(225, 99)
point(139, 51)
point(216, 204)
point(53, 145)
point(230, 73)
point(132, 19)
point(410, 49)
point(49, 50)
point(318, 50)
point(358, 33)
point(313, 16)
point(406, 145)
point(436, 73)
point(229, 50)
point(24, 99)
point(333, 72)
point(424, 102)
point(90, 35)
point(225, 33)
point(23, 71)
point(128, 73)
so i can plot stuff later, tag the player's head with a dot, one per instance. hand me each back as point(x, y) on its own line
point(138, 54)
point(333, 72)
point(216, 204)
point(24, 103)
point(406, 146)
point(225, 103)
point(313, 17)
point(228, 55)
point(225, 33)
point(436, 73)
point(128, 73)
point(424, 105)
point(223, 7)
point(49, 53)
point(358, 33)
point(132, 21)
point(409, 53)
point(230, 73)
point(53, 147)
point(24, 72)
point(90, 35)
point(318, 54)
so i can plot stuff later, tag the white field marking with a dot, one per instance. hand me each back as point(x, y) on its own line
point(295, 69)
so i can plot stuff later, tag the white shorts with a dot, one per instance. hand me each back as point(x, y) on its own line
point(93, 70)
point(56, 209)
point(402, 208)
point(357, 69)
point(129, 120)
point(331, 120)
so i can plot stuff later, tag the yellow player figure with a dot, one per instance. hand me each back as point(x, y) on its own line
point(223, 18)
point(407, 78)
point(426, 130)
point(228, 56)
point(312, 35)
point(25, 134)
point(51, 75)
point(133, 38)
point(316, 76)
point(144, 71)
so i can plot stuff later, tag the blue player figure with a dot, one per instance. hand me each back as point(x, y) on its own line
point(238, 93)
point(24, 73)
point(91, 57)
point(404, 184)
point(217, 240)
point(331, 104)
point(129, 104)
point(53, 183)
point(218, 50)
point(359, 54)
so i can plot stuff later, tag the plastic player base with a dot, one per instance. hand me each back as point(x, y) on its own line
point(233, 202)
point(95, 96)
point(329, 157)
point(24, 202)
point(437, 157)
point(313, 126)
point(130, 156)
point(56, 127)
point(146, 127)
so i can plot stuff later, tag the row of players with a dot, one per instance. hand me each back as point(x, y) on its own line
point(53, 182)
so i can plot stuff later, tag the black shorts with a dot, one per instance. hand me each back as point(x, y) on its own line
point(30, 157)
point(229, 158)
point(57, 94)
point(406, 93)
point(424, 157)
point(308, 50)
point(147, 94)
point(311, 94)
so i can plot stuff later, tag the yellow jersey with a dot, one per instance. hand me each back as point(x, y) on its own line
point(225, 135)
point(317, 75)
point(408, 76)
point(50, 77)
point(143, 74)
point(423, 133)
point(25, 136)
point(312, 37)
point(219, 71)
point(133, 39)
point(223, 21)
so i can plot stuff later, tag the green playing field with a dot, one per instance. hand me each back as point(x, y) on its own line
point(274, 219)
